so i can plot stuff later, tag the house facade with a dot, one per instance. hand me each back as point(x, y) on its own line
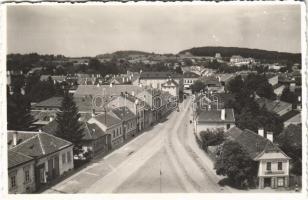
point(129, 121)
point(172, 87)
point(53, 156)
point(21, 173)
point(273, 163)
point(111, 125)
point(214, 119)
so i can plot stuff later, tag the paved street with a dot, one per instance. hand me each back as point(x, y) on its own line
point(163, 159)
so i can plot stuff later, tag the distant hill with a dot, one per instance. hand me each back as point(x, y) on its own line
point(245, 52)
point(123, 54)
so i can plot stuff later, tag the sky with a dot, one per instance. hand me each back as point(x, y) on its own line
point(79, 30)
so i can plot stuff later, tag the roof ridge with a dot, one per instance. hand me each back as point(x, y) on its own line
point(41, 145)
point(87, 127)
point(50, 135)
point(26, 140)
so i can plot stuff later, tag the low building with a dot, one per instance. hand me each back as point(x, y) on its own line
point(292, 117)
point(273, 163)
point(53, 156)
point(94, 141)
point(275, 106)
point(239, 61)
point(214, 119)
point(53, 103)
point(21, 173)
point(112, 125)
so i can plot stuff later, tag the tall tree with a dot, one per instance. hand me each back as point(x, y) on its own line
point(18, 112)
point(288, 96)
point(235, 85)
point(290, 141)
point(234, 162)
point(211, 138)
point(68, 126)
point(197, 86)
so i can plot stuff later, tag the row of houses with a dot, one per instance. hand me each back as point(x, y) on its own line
point(110, 116)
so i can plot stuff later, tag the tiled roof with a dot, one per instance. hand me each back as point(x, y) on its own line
point(159, 75)
point(272, 105)
point(292, 115)
point(16, 158)
point(40, 144)
point(210, 116)
point(210, 80)
point(254, 144)
point(54, 102)
point(90, 131)
point(190, 75)
point(115, 90)
point(108, 119)
point(123, 113)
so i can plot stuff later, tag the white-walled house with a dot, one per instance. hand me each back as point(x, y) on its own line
point(53, 156)
point(214, 119)
point(273, 163)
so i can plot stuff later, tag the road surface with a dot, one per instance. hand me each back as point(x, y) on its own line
point(165, 159)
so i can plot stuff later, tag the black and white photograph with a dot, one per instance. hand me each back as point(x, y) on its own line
point(154, 98)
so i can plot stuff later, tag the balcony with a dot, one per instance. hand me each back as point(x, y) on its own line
point(270, 172)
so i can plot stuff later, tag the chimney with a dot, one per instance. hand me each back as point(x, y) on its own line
point(93, 113)
point(261, 132)
point(269, 136)
point(223, 114)
point(15, 136)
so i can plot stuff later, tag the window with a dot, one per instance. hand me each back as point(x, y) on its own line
point(63, 158)
point(269, 166)
point(113, 133)
point(68, 157)
point(27, 176)
point(13, 181)
point(279, 165)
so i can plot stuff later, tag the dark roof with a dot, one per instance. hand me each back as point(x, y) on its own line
point(39, 144)
point(159, 75)
point(215, 116)
point(90, 131)
point(123, 113)
point(289, 115)
point(115, 90)
point(272, 105)
point(54, 102)
point(190, 75)
point(108, 119)
point(16, 158)
point(253, 143)
point(210, 80)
